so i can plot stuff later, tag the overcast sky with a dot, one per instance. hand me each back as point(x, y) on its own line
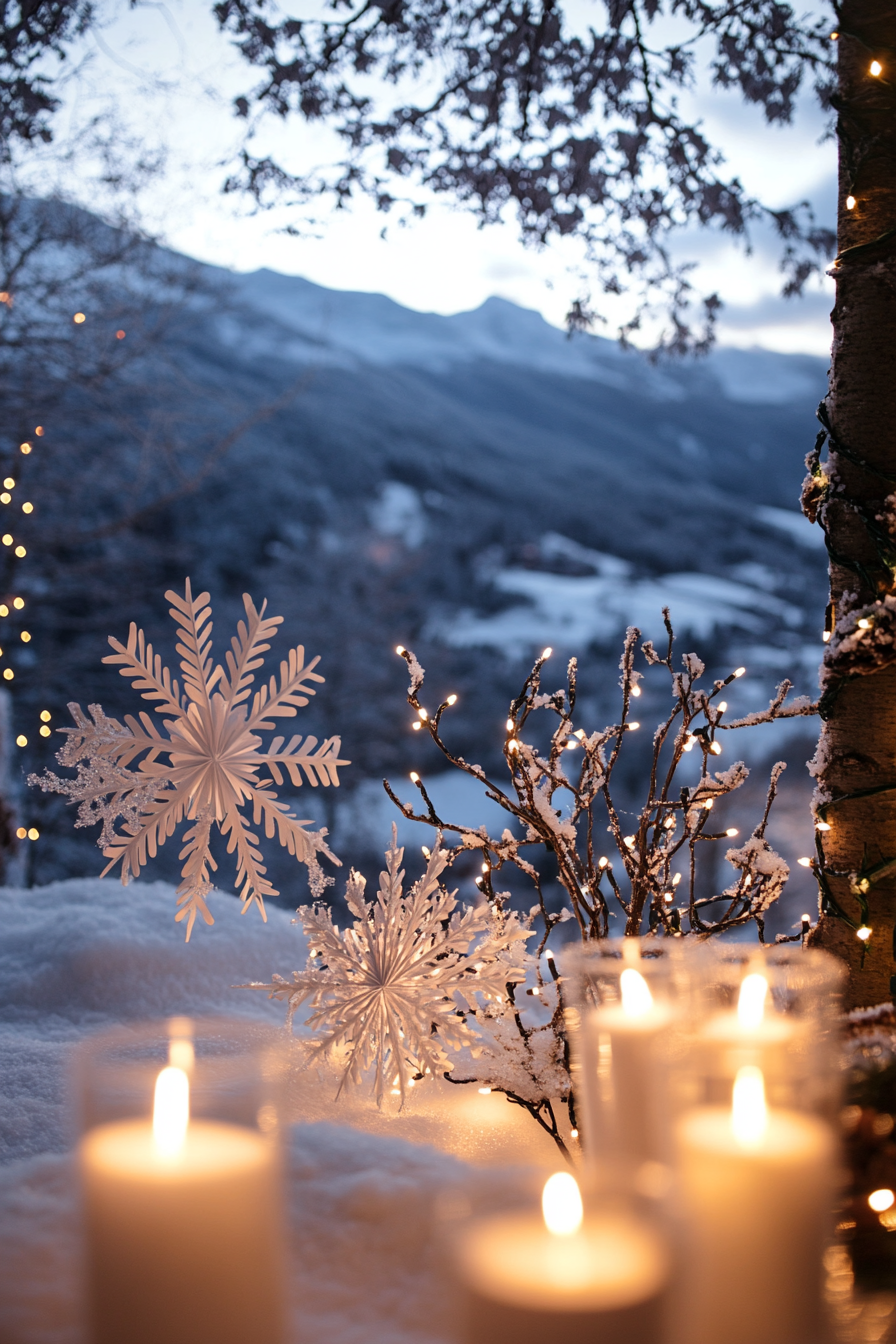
point(171, 77)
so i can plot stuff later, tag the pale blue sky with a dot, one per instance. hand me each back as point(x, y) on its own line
point(171, 77)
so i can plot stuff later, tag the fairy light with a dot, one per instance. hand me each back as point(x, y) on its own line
point(864, 624)
point(27, 508)
point(580, 734)
point(602, 861)
point(7, 538)
point(18, 603)
point(510, 725)
point(689, 743)
point(45, 731)
point(804, 863)
point(79, 318)
point(676, 879)
point(120, 335)
point(452, 700)
point(399, 649)
point(715, 748)
point(573, 1133)
point(636, 691)
point(5, 498)
point(826, 637)
point(9, 483)
point(875, 69)
point(414, 777)
point(20, 552)
point(546, 653)
point(426, 851)
point(731, 831)
point(723, 705)
point(423, 714)
point(8, 674)
point(33, 833)
point(45, 716)
point(416, 725)
point(571, 745)
point(834, 36)
point(484, 1091)
point(850, 202)
point(25, 448)
point(629, 842)
point(513, 746)
point(707, 803)
point(39, 431)
point(22, 833)
point(863, 933)
point(740, 672)
point(25, 637)
point(668, 897)
point(21, 740)
point(633, 726)
point(822, 826)
point(879, 1200)
point(485, 868)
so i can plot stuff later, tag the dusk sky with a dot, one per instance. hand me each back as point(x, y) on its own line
point(171, 77)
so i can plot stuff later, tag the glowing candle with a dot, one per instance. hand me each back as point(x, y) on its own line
point(757, 1189)
point(530, 1278)
point(184, 1235)
point(625, 1077)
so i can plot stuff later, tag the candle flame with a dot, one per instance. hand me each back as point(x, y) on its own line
point(751, 1002)
point(171, 1111)
point(749, 1113)
point(636, 996)
point(561, 1204)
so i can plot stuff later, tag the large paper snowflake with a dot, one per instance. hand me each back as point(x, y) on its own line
point(210, 735)
point(402, 987)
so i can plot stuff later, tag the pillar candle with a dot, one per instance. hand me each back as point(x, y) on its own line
point(603, 1279)
point(756, 1190)
point(624, 1074)
point(184, 1231)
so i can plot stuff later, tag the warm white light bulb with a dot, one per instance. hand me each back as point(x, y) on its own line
point(637, 999)
point(749, 1113)
point(561, 1204)
point(171, 1111)
point(751, 1000)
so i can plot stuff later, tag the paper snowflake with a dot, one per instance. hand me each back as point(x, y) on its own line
point(402, 987)
point(210, 735)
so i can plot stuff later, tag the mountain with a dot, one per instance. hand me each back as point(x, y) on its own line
point(473, 486)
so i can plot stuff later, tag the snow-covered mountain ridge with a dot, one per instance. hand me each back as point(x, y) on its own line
point(346, 328)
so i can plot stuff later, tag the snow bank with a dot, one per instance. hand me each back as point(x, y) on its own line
point(79, 956)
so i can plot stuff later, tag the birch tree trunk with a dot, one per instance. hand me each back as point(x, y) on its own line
point(853, 496)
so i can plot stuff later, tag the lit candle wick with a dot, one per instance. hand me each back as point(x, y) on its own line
point(637, 999)
point(751, 1002)
point(171, 1111)
point(561, 1204)
point(749, 1113)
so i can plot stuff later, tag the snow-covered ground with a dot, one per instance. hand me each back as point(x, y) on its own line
point(79, 956)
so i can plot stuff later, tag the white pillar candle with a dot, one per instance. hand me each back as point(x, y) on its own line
point(184, 1233)
point(756, 1193)
point(529, 1279)
point(625, 1075)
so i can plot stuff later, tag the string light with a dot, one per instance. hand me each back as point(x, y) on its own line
point(416, 725)
point(850, 202)
point(822, 826)
point(33, 833)
point(689, 743)
point(7, 539)
point(875, 69)
point(864, 933)
point(45, 716)
point(45, 731)
point(546, 653)
point(399, 649)
point(423, 714)
point(79, 318)
point(25, 448)
point(485, 867)
point(39, 431)
point(864, 624)
point(5, 498)
point(715, 748)
point(510, 725)
point(21, 552)
point(826, 637)
point(629, 842)
point(740, 672)
point(580, 734)
point(18, 603)
point(8, 674)
point(723, 705)
point(21, 740)
point(414, 777)
point(804, 863)
point(633, 726)
point(707, 803)
point(834, 36)
point(22, 833)
point(731, 831)
point(513, 746)
point(452, 700)
point(26, 508)
point(603, 861)
point(425, 851)
point(25, 637)
point(676, 879)
point(636, 691)
point(9, 483)
point(119, 335)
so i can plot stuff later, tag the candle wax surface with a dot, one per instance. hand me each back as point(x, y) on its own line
point(614, 1018)
point(128, 1149)
point(727, 1027)
point(610, 1263)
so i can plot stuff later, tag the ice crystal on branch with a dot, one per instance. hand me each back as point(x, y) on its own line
point(403, 989)
point(201, 762)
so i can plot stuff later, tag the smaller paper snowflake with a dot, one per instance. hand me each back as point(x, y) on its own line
point(210, 736)
point(402, 987)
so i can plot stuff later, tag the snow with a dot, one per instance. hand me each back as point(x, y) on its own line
point(82, 955)
point(298, 320)
point(571, 611)
point(796, 525)
point(398, 512)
